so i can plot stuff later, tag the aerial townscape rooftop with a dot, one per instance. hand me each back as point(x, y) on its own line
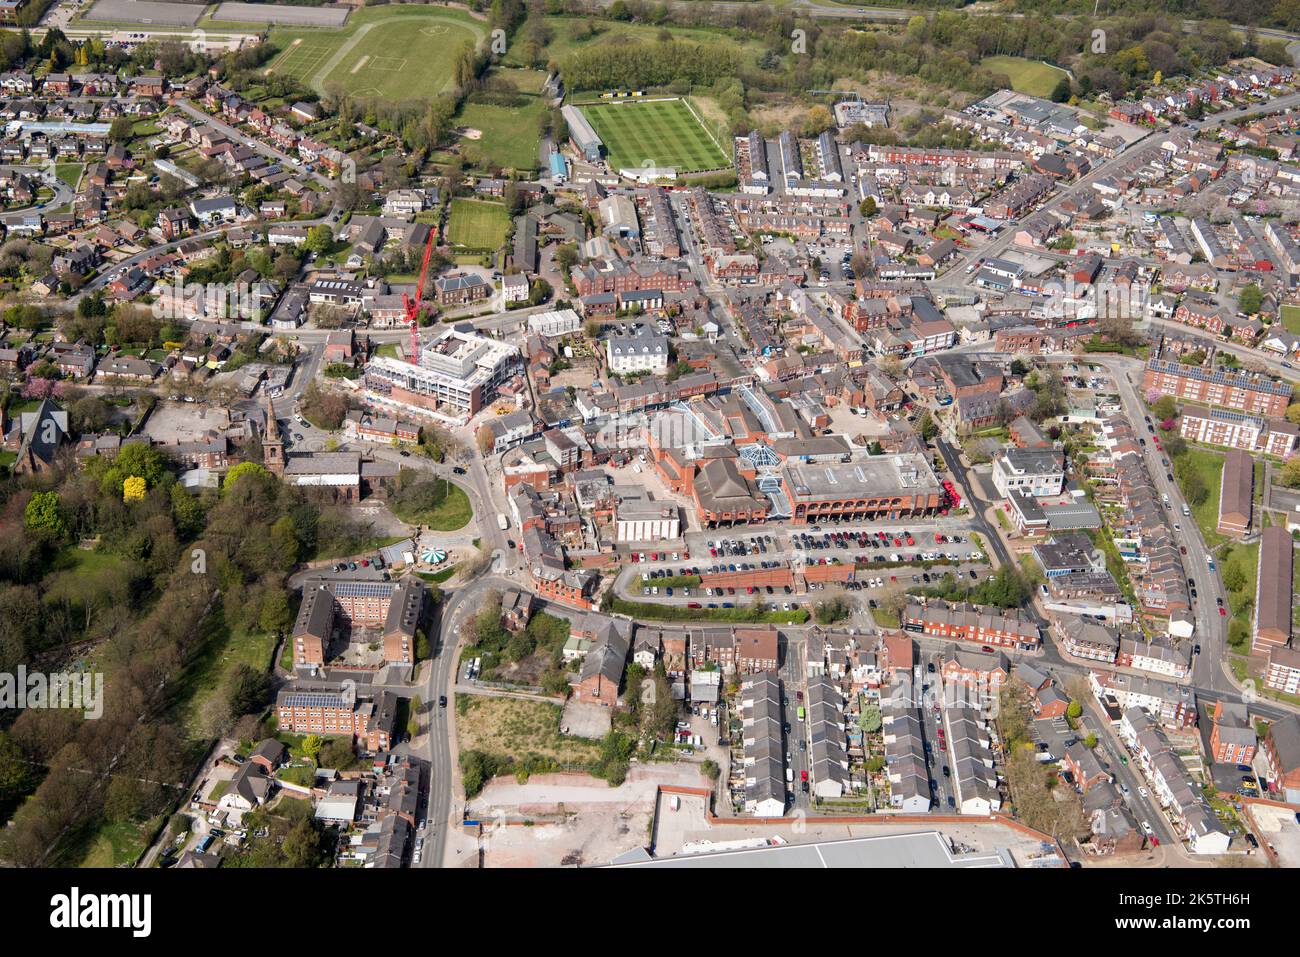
point(618, 436)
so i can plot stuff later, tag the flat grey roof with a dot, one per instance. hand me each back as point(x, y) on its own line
point(923, 849)
point(905, 474)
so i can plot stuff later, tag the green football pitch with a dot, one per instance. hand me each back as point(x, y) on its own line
point(392, 52)
point(654, 133)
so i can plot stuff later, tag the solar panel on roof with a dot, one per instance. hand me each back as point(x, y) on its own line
point(364, 589)
point(308, 700)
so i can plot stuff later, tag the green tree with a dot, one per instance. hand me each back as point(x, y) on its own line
point(1250, 299)
point(311, 745)
point(15, 773)
point(241, 470)
point(121, 129)
point(926, 426)
point(319, 240)
point(43, 514)
point(137, 459)
point(1290, 472)
point(1194, 487)
point(870, 720)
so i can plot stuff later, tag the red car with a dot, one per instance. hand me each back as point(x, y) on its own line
point(987, 650)
point(1222, 612)
point(692, 604)
point(937, 538)
point(654, 556)
point(803, 776)
point(910, 541)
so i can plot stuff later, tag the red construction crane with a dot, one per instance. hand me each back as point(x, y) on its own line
point(412, 306)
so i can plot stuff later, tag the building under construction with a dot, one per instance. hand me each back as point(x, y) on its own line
point(458, 373)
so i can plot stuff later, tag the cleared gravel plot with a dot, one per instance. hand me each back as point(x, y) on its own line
point(289, 16)
point(145, 12)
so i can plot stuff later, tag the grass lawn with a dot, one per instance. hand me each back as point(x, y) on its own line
point(104, 844)
point(509, 134)
point(655, 133)
point(518, 729)
point(80, 576)
point(222, 649)
point(1245, 558)
point(1027, 76)
point(70, 173)
point(1209, 465)
point(438, 576)
point(286, 656)
point(476, 224)
point(451, 510)
point(1291, 318)
point(348, 549)
point(743, 614)
point(394, 53)
point(885, 618)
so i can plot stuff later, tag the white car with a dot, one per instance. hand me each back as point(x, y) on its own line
point(1144, 792)
point(1146, 826)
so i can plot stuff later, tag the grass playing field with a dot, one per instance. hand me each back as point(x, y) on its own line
point(476, 224)
point(1027, 76)
point(392, 52)
point(654, 133)
point(505, 136)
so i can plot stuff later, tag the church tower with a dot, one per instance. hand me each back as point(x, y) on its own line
point(272, 441)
